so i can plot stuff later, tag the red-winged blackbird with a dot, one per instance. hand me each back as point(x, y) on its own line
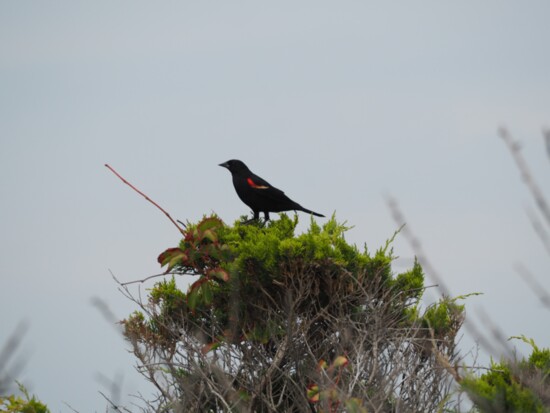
point(258, 194)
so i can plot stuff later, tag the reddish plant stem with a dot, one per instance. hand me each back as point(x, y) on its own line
point(146, 197)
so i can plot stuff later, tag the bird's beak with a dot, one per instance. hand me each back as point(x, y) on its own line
point(225, 165)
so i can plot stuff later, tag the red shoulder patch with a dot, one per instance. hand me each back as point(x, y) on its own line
point(254, 185)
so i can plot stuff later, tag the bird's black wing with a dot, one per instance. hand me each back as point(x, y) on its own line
point(264, 188)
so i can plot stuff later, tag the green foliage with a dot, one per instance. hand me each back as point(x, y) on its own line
point(169, 294)
point(500, 391)
point(265, 248)
point(443, 316)
point(233, 263)
point(261, 290)
point(513, 386)
point(539, 358)
point(412, 281)
point(16, 404)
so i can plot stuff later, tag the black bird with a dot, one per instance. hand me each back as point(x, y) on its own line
point(259, 194)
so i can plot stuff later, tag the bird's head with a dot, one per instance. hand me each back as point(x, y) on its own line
point(234, 165)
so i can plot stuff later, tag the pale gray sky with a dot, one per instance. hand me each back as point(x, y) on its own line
point(337, 103)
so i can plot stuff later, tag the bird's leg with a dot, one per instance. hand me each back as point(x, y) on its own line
point(264, 222)
point(256, 217)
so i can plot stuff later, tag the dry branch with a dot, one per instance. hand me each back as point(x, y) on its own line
point(146, 197)
point(526, 175)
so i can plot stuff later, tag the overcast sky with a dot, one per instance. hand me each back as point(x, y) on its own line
point(336, 103)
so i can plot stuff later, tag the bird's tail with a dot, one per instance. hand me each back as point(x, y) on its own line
point(311, 212)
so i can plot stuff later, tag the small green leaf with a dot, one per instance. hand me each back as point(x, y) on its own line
point(219, 273)
point(209, 224)
point(172, 257)
point(355, 405)
point(206, 293)
point(313, 393)
point(176, 260)
point(243, 395)
point(167, 255)
point(209, 235)
point(339, 361)
point(322, 365)
point(200, 292)
point(192, 299)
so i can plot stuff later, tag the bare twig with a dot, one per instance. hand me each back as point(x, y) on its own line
point(546, 134)
point(12, 343)
point(498, 337)
point(219, 396)
point(146, 197)
point(154, 276)
point(7, 352)
point(399, 219)
point(539, 229)
point(277, 359)
point(480, 368)
point(106, 312)
point(145, 279)
point(536, 287)
point(526, 175)
point(113, 405)
point(423, 259)
point(114, 385)
point(123, 284)
point(71, 407)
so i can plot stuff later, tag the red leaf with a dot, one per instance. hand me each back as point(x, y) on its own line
point(196, 285)
point(172, 257)
point(167, 255)
point(219, 273)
